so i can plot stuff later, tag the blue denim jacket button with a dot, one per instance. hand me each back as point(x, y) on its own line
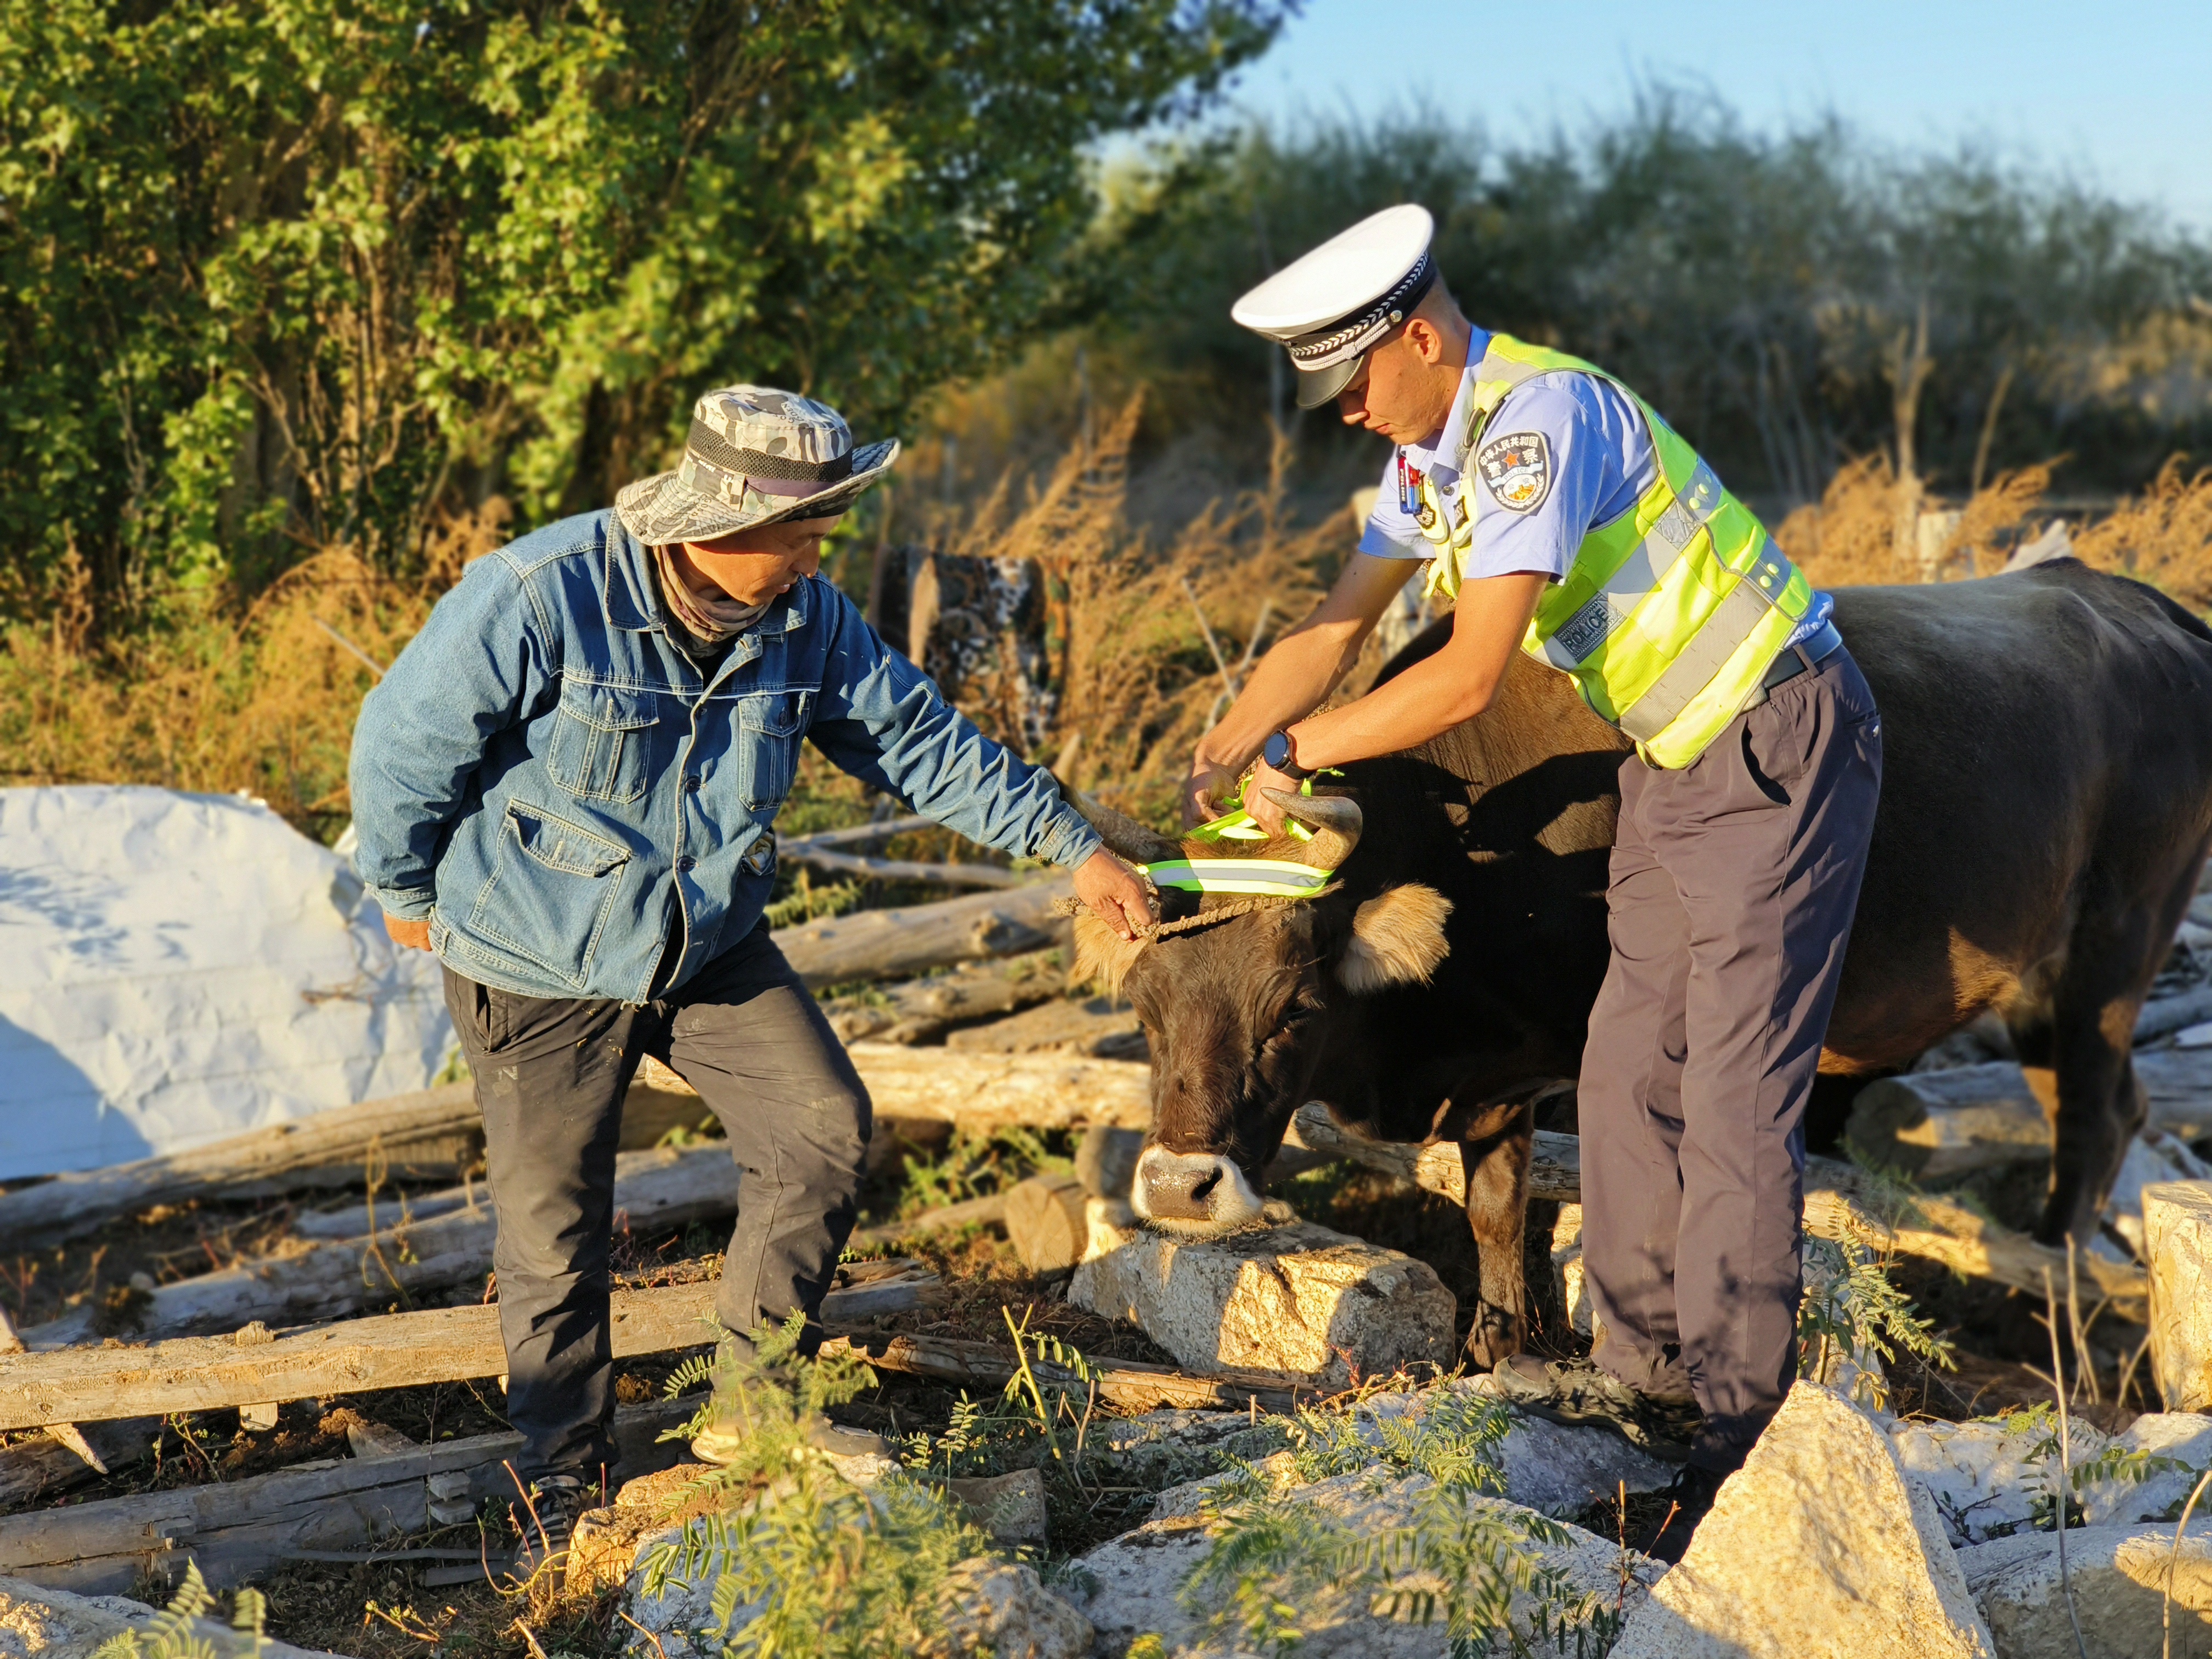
point(685, 863)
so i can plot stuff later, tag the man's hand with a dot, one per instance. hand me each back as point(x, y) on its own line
point(1114, 893)
point(1209, 784)
point(412, 935)
point(1265, 813)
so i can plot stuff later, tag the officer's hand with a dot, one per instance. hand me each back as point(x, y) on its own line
point(414, 935)
point(1114, 893)
point(1209, 784)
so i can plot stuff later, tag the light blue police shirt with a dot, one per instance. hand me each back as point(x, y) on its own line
point(1570, 452)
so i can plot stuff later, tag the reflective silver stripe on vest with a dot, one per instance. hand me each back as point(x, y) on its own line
point(1690, 672)
point(1574, 640)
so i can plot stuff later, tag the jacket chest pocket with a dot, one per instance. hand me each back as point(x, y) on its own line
point(770, 726)
point(602, 743)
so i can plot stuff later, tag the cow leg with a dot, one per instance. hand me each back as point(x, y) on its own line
point(2110, 961)
point(1495, 1156)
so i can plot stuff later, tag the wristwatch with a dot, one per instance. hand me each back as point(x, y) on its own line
point(1276, 751)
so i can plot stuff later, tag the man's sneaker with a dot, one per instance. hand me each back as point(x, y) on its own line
point(1575, 1391)
point(1688, 1500)
point(549, 1526)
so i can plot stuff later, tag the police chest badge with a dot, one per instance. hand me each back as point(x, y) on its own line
point(1516, 470)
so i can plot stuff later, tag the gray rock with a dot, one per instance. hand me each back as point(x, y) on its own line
point(1984, 1479)
point(38, 1623)
point(1136, 1576)
point(1295, 1299)
point(1821, 1547)
point(1002, 1608)
point(2118, 1575)
point(1010, 1507)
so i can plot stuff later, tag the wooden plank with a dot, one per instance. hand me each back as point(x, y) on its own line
point(391, 1350)
point(326, 1149)
point(910, 940)
point(1841, 1202)
point(1124, 1382)
point(238, 1528)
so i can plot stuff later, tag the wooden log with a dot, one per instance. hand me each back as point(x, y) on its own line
point(1045, 1222)
point(1841, 1202)
point(860, 835)
point(664, 1189)
point(2177, 1086)
point(890, 943)
point(44, 1466)
point(2163, 1015)
point(920, 1009)
point(388, 1350)
point(975, 1212)
point(874, 869)
point(239, 1528)
point(983, 1091)
point(1126, 1382)
point(328, 1148)
point(1935, 1125)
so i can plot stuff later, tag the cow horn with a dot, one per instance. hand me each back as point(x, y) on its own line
point(1335, 821)
point(1139, 843)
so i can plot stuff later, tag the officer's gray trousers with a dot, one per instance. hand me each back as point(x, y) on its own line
point(1732, 886)
point(550, 1074)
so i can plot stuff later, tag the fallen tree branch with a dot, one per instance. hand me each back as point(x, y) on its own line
point(914, 938)
point(875, 869)
point(1841, 1202)
point(1126, 1382)
point(387, 1351)
point(859, 835)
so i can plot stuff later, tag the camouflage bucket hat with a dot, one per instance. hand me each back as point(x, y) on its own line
point(755, 456)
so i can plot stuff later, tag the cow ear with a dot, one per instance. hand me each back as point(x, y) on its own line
point(1397, 939)
point(1102, 956)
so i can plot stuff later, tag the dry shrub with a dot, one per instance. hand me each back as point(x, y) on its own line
point(2163, 537)
point(1132, 682)
point(1991, 522)
point(1849, 538)
point(209, 699)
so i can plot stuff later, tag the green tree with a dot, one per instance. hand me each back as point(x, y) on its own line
point(279, 275)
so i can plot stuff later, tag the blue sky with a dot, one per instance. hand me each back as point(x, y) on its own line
point(2121, 94)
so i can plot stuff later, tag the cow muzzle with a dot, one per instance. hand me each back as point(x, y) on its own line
point(1197, 1193)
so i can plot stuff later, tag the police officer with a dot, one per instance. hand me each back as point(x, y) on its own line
point(1570, 521)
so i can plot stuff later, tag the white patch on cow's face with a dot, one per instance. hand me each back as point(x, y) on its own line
point(1102, 956)
point(1193, 1194)
point(1397, 939)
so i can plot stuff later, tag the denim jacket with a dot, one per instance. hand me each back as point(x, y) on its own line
point(548, 776)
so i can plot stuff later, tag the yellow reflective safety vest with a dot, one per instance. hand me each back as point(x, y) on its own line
point(1670, 616)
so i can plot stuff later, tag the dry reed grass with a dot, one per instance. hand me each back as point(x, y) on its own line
point(2163, 537)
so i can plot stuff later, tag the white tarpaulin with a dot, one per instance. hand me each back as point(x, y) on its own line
point(177, 968)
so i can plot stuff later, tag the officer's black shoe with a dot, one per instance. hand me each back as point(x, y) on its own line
point(1575, 1391)
point(1688, 1500)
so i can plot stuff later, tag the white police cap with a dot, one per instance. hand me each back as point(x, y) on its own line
point(1329, 308)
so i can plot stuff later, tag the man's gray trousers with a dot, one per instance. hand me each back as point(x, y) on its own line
point(1734, 882)
point(550, 1074)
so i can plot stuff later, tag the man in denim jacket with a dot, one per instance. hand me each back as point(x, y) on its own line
point(566, 788)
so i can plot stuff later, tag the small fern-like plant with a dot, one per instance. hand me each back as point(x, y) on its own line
point(1855, 1309)
point(170, 1634)
point(1459, 1558)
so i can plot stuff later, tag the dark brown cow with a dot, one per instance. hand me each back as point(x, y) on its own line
point(2046, 804)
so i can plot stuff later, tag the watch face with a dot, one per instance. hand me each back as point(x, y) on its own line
point(1276, 751)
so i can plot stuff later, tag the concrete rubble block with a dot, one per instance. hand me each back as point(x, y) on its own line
point(1296, 1299)
point(1045, 1222)
point(1990, 1478)
point(2178, 1237)
point(1137, 1575)
point(1003, 1608)
point(1009, 1507)
point(1821, 1547)
point(37, 1623)
point(2154, 1157)
point(1567, 1267)
point(2119, 1576)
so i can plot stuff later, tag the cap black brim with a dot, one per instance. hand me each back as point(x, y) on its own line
point(1317, 387)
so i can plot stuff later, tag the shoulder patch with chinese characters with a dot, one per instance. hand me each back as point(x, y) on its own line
point(1516, 470)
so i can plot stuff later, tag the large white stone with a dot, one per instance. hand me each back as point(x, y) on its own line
point(2178, 1239)
point(1003, 1609)
point(1292, 1298)
point(1987, 1480)
point(1547, 1465)
point(2117, 1575)
point(38, 1623)
point(1819, 1547)
point(1137, 1575)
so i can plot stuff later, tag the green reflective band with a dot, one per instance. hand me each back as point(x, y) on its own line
point(1238, 824)
point(1275, 878)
